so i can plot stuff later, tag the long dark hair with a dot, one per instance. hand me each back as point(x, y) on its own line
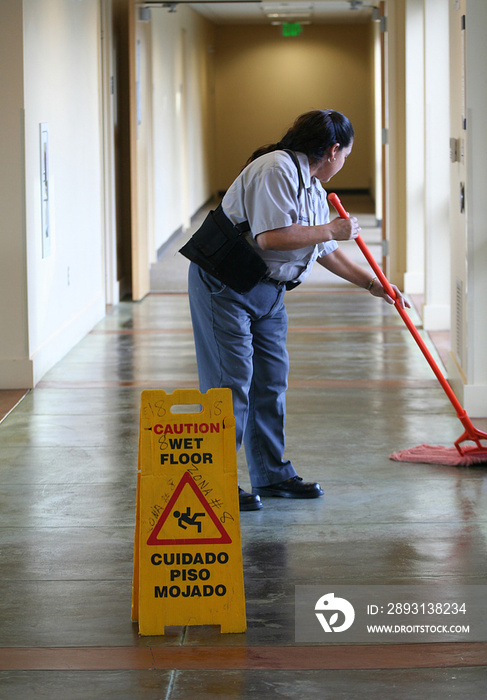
point(313, 133)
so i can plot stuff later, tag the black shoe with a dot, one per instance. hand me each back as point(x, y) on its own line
point(248, 501)
point(294, 487)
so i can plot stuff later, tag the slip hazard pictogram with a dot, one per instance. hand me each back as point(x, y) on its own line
point(188, 519)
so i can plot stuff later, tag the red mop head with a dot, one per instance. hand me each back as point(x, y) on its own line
point(458, 456)
point(436, 454)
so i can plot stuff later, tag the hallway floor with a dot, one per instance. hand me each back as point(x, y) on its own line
point(359, 389)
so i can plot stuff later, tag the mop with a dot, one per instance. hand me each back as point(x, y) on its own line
point(459, 455)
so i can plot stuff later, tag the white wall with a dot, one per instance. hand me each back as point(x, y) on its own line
point(59, 85)
point(182, 102)
point(417, 155)
point(436, 309)
point(468, 365)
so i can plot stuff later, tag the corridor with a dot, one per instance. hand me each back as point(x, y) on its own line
point(359, 389)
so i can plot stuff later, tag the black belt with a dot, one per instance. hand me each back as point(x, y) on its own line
point(288, 285)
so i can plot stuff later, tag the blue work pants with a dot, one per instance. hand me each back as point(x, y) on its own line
point(240, 342)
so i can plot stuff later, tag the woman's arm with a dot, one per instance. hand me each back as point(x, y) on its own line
point(297, 236)
point(341, 265)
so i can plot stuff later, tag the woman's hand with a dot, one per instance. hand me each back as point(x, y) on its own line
point(344, 229)
point(377, 290)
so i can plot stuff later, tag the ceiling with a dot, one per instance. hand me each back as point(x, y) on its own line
point(264, 12)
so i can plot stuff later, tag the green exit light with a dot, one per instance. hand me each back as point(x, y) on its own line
point(291, 29)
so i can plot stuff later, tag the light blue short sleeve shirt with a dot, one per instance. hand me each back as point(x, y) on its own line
point(266, 195)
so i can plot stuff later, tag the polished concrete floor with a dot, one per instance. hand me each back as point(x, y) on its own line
point(359, 389)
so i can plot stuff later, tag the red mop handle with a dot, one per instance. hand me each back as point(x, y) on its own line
point(461, 413)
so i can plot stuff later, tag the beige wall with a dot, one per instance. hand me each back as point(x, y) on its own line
point(14, 360)
point(264, 81)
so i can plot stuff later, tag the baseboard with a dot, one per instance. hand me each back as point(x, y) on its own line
point(436, 317)
point(473, 398)
point(414, 282)
point(25, 373)
point(66, 337)
point(16, 373)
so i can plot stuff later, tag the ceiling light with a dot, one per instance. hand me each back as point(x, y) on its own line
point(281, 9)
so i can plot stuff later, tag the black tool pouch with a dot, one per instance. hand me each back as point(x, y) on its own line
point(221, 249)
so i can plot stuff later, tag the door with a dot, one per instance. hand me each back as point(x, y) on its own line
point(141, 175)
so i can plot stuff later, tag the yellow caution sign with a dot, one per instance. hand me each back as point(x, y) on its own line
point(188, 554)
